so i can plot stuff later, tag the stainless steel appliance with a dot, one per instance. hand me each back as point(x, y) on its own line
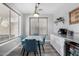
point(71, 48)
point(62, 31)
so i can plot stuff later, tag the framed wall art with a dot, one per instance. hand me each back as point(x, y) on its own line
point(74, 16)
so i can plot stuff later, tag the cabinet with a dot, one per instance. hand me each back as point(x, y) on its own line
point(58, 43)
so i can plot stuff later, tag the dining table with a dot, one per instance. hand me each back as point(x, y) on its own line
point(37, 38)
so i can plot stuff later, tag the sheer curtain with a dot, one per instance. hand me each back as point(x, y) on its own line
point(38, 25)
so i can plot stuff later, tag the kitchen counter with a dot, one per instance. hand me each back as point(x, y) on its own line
point(58, 42)
point(69, 38)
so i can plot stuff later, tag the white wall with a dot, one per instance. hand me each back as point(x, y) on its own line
point(63, 11)
point(50, 18)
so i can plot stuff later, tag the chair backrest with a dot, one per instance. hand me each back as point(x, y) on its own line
point(30, 45)
point(44, 39)
point(21, 38)
point(36, 34)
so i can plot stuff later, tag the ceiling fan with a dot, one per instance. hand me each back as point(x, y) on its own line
point(36, 11)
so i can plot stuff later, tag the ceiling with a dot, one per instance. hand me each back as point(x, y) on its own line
point(28, 8)
point(47, 8)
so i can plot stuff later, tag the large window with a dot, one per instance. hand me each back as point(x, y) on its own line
point(38, 25)
point(4, 23)
point(43, 25)
point(34, 26)
point(19, 27)
point(10, 24)
point(14, 24)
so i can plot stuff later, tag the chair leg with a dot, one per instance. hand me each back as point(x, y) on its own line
point(43, 48)
point(23, 51)
point(39, 47)
point(35, 53)
point(27, 53)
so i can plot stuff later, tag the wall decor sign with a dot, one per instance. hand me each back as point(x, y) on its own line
point(74, 16)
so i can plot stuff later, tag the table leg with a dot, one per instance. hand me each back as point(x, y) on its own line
point(39, 47)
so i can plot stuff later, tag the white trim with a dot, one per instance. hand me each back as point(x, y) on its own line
point(11, 50)
point(7, 42)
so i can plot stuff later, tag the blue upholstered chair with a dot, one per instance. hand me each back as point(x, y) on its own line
point(30, 46)
point(22, 37)
point(43, 42)
point(22, 43)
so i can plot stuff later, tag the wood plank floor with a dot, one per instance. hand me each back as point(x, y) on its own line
point(49, 51)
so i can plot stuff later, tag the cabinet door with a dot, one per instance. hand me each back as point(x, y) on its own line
point(58, 44)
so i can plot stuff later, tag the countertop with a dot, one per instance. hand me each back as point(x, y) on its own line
point(69, 38)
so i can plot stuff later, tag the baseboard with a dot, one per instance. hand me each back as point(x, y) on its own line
point(11, 50)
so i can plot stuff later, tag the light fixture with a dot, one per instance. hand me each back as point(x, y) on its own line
point(36, 14)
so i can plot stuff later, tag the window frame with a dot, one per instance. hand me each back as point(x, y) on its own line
point(19, 24)
point(38, 23)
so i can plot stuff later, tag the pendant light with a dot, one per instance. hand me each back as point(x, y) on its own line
point(36, 14)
